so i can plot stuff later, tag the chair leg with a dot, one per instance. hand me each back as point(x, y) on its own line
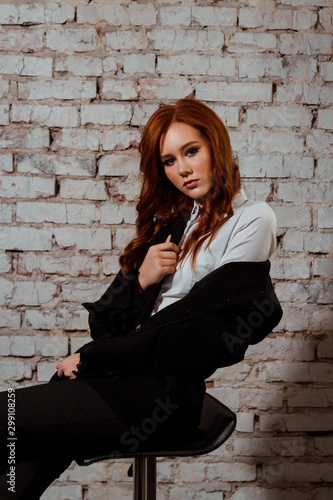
point(144, 485)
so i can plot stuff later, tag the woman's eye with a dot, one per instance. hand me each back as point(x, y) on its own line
point(192, 151)
point(169, 162)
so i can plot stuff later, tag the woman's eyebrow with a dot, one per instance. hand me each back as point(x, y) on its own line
point(181, 149)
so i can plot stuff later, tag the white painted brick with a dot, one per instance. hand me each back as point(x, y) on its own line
point(110, 64)
point(23, 345)
point(40, 212)
point(294, 319)
point(235, 92)
point(248, 398)
point(71, 39)
point(52, 345)
point(228, 114)
point(123, 236)
point(120, 139)
point(296, 472)
point(320, 142)
point(290, 269)
point(78, 213)
point(256, 493)
point(285, 349)
point(326, 17)
point(296, 372)
point(267, 19)
point(115, 15)
point(308, 191)
point(245, 422)
point(58, 89)
point(142, 113)
point(24, 138)
point(325, 118)
point(82, 292)
point(38, 319)
point(298, 166)
point(231, 472)
point(58, 165)
point(71, 265)
point(323, 320)
point(31, 13)
point(195, 40)
point(106, 114)
point(21, 40)
point(251, 42)
point(10, 319)
point(258, 66)
point(214, 16)
point(83, 239)
point(80, 138)
point(32, 293)
point(162, 88)
point(15, 186)
point(55, 116)
point(59, 14)
point(78, 342)
point(5, 263)
point(304, 19)
point(4, 114)
point(324, 168)
point(126, 40)
point(45, 370)
point(311, 3)
point(296, 423)
point(9, 14)
point(280, 116)
point(119, 89)
point(197, 65)
point(309, 397)
point(4, 88)
point(283, 142)
point(142, 15)
point(324, 446)
point(90, 473)
point(25, 238)
point(170, 16)
point(257, 190)
point(326, 71)
point(5, 213)
point(128, 189)
point(325, 350)
point(293, 216)
point(111, 264)
point(80, 65)
point(15, 369)
point(265, 447)
point(298, 241)
point(323, 267)
point(192, 472)
point(325, 217)
point(309, 43)
point(5, 345)
point(261, 166)
point(70, 492)
point(25, 65)
point(139, 63)
point(6, 291)
point(6, 162)
point(119, 164)
point(82, 189)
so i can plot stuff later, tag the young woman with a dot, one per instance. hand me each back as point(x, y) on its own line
point(192, 293)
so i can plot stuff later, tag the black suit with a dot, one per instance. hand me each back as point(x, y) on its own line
point(141, 369)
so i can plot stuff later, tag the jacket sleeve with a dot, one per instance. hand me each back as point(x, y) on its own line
point(119, 308)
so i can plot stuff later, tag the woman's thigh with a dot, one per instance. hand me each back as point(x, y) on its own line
point(67, 418)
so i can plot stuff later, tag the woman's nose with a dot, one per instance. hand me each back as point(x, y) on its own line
point(184, 168)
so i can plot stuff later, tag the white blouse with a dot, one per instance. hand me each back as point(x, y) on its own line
point(249, 235)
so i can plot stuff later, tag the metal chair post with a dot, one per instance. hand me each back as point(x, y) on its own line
point(144, 484)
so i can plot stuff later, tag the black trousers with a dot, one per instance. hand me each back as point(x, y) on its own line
point(55, 423)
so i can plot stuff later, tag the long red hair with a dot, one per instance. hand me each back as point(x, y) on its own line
point(160, 202)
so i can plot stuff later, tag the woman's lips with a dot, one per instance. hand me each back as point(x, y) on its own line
point(191, 184)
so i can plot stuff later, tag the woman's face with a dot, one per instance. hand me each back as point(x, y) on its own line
point(187, 161)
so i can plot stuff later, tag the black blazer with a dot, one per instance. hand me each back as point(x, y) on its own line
point(135, 358)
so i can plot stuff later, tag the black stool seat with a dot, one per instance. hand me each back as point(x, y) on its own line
point(216, 425)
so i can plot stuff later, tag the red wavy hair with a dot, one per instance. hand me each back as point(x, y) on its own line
point(160, 202)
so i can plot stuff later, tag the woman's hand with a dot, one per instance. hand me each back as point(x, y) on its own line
point(160, 260)
point(66, 367)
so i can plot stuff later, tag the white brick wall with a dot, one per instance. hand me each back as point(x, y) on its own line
point(78, 81)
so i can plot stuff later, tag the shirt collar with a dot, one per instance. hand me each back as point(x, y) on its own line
point(239, 199)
